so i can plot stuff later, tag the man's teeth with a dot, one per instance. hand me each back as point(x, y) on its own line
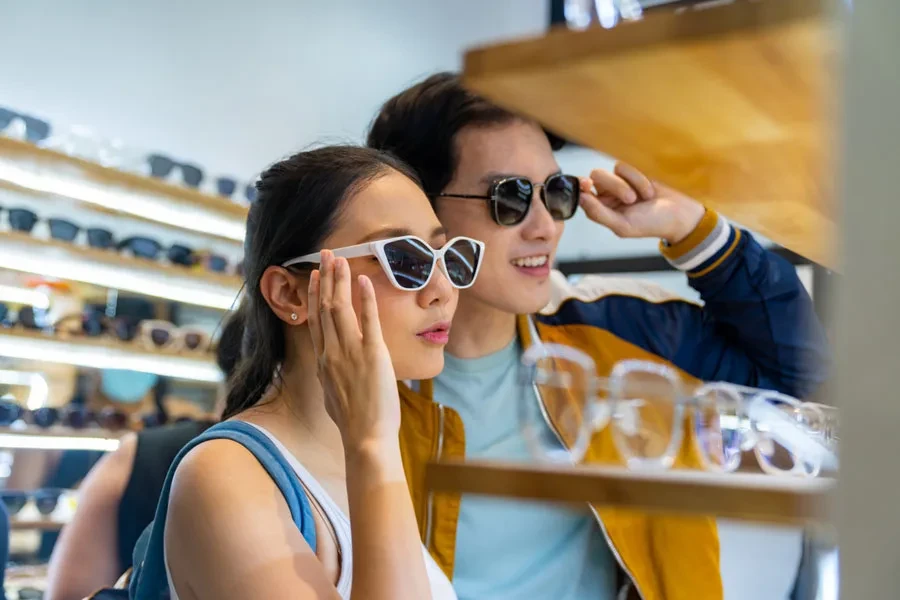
point(531, 261)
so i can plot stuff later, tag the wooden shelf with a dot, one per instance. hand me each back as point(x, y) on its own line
point(737, 496)
point(37, 525)
point(52, 258)
point(732, 104)
point(104, 353)
point(28, 166)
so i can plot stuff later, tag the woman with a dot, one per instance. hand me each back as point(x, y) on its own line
point(317, 379)
point(117, 499)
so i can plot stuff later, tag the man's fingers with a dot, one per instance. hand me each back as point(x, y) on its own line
point(610, 184)
point(598, 212)
point(636, 180)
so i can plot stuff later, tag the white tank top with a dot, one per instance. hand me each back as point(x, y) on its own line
point(441, 588)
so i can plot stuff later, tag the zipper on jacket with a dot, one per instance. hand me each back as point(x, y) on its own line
point(609, 542)
point(429, 507)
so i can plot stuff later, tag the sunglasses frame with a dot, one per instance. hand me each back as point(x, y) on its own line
point(176, 336)
point(376, 248)
point(495, 200)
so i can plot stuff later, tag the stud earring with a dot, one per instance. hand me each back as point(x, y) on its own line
point(293, 316)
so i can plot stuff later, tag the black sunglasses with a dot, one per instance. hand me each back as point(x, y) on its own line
point(510, 198)
point(26, 317)
point(161, 166)
point(46, 500)
point(74, 416)
point(36, 130)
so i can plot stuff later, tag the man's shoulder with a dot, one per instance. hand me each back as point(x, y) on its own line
point(591, 289)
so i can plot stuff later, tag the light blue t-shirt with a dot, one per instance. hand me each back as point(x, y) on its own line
point(510, 549)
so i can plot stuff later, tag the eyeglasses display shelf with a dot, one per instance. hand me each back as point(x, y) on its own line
point(729, 102)
point(53, 258)
point(751, 497)
point(48, 171)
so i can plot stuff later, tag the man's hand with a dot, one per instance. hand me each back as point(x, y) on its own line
point(632, 206)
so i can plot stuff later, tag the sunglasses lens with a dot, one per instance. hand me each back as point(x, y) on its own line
point(561, 196)
point(99, 238)
point(110, 418)
point(76, 417)
point(14, 501)
point(160, 336)
point(225, 186)
point(192, 341)
point(21, 219)
point(180, 255)
point(45, 417)
point(511, 199)
point(461, 260)
point(775, 424)
point(718, 426)
point(160, 166)
point(46, 501)
point(62, 230)
point(191, 175)
point(9, 413)
point(144, 247)
point(217, 263)
point(411, 262)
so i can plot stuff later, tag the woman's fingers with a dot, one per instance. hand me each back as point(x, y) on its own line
point(326, 304)
point(342, 307)
point(371, 325)
point(312, 317)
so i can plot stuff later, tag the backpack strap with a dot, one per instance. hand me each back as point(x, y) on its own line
point(149, 581)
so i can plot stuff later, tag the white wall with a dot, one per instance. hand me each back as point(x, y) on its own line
point(235, 85)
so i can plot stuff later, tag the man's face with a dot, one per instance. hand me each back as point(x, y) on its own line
point(515, 272)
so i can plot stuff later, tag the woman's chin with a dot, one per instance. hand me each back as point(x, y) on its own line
point(425, 364)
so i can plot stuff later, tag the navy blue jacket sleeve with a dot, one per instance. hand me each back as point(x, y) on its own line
point(757, 327)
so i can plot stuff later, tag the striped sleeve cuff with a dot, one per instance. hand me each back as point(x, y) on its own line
point(711, 242)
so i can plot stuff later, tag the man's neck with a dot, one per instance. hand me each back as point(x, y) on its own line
point(479, 330)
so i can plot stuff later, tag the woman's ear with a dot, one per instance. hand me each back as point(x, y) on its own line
point(286, 293)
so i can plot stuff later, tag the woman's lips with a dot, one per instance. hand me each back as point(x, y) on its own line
point(436, 334)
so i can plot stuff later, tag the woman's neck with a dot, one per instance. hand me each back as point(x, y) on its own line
point(479, 330)
point(294, 412)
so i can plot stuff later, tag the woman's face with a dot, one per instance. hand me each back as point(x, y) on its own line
point(392, 206)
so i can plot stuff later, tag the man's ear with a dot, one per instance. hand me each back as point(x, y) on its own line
point(286, 293)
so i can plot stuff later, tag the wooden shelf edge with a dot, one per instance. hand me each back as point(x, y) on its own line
point(545, 51)
point(762, 498)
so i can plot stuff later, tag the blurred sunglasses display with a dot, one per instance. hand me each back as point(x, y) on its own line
point(27, 317)
point(45, 500)
point(18, 125)
point(74, 416)
point(163, 167)
point(95, 324)
point(162, 335)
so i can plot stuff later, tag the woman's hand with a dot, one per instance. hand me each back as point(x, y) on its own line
point(354, 366)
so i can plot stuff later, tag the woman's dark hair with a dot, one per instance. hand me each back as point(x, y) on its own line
point(419, 125)
point(299, 202)
point(228, 351)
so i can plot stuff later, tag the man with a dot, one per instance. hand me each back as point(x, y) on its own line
point(757, 328)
